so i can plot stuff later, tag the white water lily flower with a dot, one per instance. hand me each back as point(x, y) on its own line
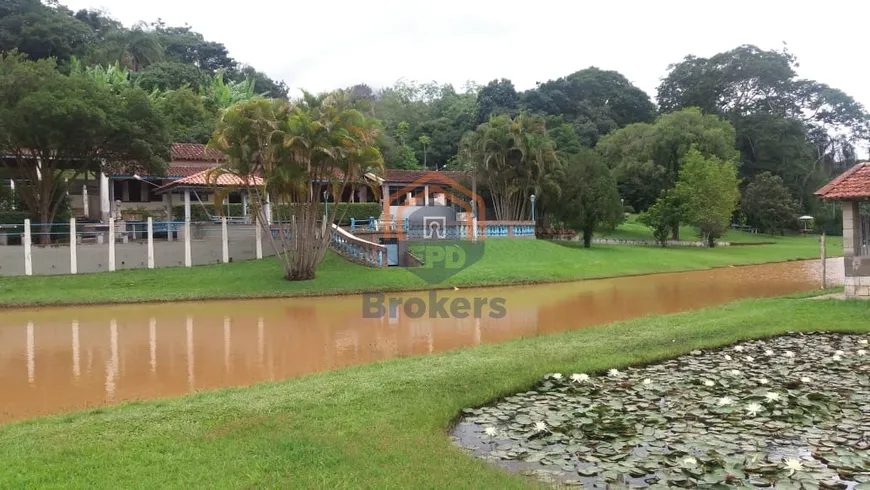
point(738, 348)
point(556, 376)
point(771, 396)
point(753, 409)
point(789, 354)
point(540, 426)
point(579, 377)
point(734, 372)
point(491, 431)
point(750, 359)
point(727, 357)
point(768, 352)
point(793, 464)
point(647, 381)
point(708, 382)
point(613, 372)
point(862, 352)
point(763, 381)
point(836, 358)
point(806, 380)
point(689, 461)
point(725, 400)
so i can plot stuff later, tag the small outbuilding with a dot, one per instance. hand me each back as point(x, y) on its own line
point(852, 189)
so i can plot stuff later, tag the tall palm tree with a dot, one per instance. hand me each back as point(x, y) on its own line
point(318, 142)
point(515, 157)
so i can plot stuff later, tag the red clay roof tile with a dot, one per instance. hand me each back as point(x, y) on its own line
point(195, 152)
point(851, 184)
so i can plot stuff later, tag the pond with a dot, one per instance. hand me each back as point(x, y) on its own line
point(789, 412)
point(63, 359)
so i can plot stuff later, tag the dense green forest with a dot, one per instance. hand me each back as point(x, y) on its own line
point(746, 107)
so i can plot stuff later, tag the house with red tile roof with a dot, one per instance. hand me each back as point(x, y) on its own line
point(852, 190)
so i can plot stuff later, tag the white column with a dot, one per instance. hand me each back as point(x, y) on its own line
point(225, 241)
point(28, 258)
point(104, 198)
point(150, 242)
point(187, 259)
point(268, 210)
point(258, 233)
point(244, 204)
point(426, 195)
point(474, 229)
point(73, 260)
point(186, 204)
point(86, 204)
point(111, 244)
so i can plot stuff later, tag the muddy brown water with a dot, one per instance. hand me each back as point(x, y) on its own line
point(65, 359)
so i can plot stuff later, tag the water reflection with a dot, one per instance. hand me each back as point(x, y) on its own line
point(48, 356)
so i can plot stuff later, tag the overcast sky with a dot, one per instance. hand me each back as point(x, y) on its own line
point(320, 45)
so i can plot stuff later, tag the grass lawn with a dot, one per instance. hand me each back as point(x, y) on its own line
point(376, 426)
point(504, 262)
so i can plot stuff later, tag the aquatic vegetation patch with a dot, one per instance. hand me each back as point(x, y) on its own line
point(786, 412)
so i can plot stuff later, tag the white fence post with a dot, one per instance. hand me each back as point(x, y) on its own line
point(28, 258)
point(150, 242)
point(187, 260)
point(73, 259)
point(225, 240)
point(111, 244)
point(259, 236)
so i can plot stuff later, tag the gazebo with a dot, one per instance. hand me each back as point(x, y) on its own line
point(852, 189)
point(209, 180)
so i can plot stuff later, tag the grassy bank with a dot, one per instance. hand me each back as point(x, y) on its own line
point(376, 426)
point(504, 262)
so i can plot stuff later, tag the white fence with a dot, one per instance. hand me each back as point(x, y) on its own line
point(92, 247)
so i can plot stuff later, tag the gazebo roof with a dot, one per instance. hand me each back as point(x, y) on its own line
point(851, 185)
point(211, 178)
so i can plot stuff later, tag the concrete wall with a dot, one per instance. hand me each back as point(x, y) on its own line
point(206, 248)
point(857, 266)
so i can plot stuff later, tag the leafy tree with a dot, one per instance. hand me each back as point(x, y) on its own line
point(768, 204)
point(219, 95)
point(802, 130)
point(515, 158)
point(135, 48)
point(707, 190)
point(595, 101)
point(55, 127)
point(589, 199)
point(170, 75)
point(647, 158)
point(41, 31)
point(320, 139)
point(496, 97)
point(662, 217)
point(183, 45)
point(187, 118)
point(265, 85)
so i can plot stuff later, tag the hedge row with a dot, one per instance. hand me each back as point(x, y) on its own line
point(346, 211)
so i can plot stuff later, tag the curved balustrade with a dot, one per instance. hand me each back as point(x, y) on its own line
point(357, 249)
